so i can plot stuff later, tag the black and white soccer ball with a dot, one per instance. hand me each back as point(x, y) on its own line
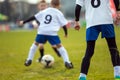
point(47, 60)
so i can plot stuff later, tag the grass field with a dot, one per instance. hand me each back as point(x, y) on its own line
point(14, 47)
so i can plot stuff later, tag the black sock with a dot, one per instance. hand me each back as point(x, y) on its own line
point(55, 49)
point(41, 52)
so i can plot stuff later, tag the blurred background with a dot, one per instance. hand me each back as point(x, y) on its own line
point(12, 11)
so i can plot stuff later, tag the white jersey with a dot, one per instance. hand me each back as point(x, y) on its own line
point(51, 19)
point(97, 12)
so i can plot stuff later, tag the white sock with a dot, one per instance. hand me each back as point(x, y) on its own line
point(116, 71)
point(82, 75)
point(64, 54)
point(32, 52)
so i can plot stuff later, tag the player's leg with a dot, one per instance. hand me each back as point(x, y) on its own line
point(54, 40)
point(56, 51)
point(86, 60)
point(109, 34)
point(41, 51)
point(114, 56)
point(91, 37)
point(43, 40)
point(31, 54)
point(64, 55)
point(39, 39)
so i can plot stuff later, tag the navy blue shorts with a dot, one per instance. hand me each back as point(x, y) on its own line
point(107, 31)
point(53, 40)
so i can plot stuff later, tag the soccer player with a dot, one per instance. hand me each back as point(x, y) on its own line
point(50, 21)
point(41, 6)
point(99, 19)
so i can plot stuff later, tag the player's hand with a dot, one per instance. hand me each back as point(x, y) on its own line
point(20, 23)
point(77, 25)
point(71, 24)
point(117, 21)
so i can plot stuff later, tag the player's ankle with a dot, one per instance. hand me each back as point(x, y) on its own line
point(82, 76)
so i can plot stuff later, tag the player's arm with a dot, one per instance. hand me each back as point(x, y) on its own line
point(77, 12)
point(77, 16)
point(27, 20)
point(65, 30)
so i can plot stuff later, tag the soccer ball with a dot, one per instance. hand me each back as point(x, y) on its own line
point(47, 60)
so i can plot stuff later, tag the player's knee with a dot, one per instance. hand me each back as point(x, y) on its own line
point(54, 46)
point(59, 45)
point(36, 43)
point(114, 51)
point(87, 57)
point(41, 46)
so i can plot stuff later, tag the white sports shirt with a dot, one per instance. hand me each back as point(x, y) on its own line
point(97, 12)
point(51, 19)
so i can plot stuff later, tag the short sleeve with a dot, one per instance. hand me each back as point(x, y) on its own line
point(62, 20)
point(38, 16)
point(80, 2)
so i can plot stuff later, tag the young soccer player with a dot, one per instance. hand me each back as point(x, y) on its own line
point(42, 5)
point(99, 19)
point(50, 21)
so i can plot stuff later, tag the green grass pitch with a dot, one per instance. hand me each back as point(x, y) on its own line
point(14, 47)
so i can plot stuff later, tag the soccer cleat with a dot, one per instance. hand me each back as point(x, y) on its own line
point(117, 78)
point(68, 65)
point(82, 78)
point(28, 62)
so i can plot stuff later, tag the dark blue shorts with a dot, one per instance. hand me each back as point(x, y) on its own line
point(53, 40)
point(107, 31)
